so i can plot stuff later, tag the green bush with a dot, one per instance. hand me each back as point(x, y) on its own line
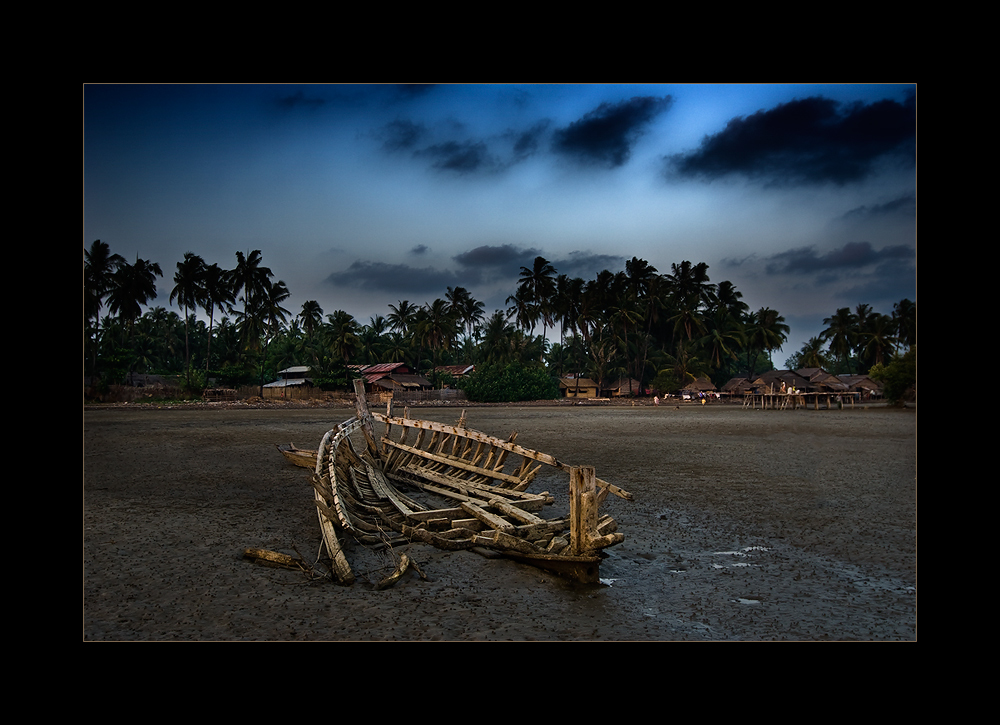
point(898, 376)
point(509, 383)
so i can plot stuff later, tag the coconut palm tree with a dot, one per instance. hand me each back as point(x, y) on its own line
point(813, 354)
point(132, 286)
point(879, 339)
point(539, 287)
point(189, 291)
point(99, 266)
point(724, 338)
point(466, 308)
point(251, 278)
point(904, 314)
point(766, 332)
point(273, 316)
point(435, 327)
point(218, 296)
point(841, 334)
point(401, 316)
point(342, 331)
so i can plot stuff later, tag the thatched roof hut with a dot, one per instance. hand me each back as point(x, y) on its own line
point(623, 386)
point(577, 388)
point(770, 382)
point(737, 386)
point(701, 385)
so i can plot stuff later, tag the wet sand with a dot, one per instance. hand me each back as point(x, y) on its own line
point(745, 525)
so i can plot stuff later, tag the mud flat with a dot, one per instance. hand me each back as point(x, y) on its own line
point(745, 525)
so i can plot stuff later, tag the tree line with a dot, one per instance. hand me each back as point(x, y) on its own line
point(659, 329)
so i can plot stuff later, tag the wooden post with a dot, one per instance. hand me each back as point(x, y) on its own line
point(361, 405)
point(582, 508)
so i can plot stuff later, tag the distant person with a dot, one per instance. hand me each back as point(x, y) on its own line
point(656, 400)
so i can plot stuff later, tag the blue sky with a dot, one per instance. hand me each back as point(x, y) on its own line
point(359, 196)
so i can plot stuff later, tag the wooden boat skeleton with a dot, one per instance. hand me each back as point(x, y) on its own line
point(366, 494)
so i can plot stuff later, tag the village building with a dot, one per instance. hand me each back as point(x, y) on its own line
point(456, 371)
point(624, 386)
point(296, 376)
point(572, 387)
point(861, 385)
point(804, 380)
point(698, 386)
point(391, 377)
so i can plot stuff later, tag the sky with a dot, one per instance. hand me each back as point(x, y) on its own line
point(362, 196)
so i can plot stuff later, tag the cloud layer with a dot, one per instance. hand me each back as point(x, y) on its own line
point(813, 140)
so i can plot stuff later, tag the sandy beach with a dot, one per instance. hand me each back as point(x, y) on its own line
point(745, 525)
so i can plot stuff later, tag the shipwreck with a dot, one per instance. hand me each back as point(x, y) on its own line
point(417, 481)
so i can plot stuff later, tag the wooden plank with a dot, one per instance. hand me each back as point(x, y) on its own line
point(516, 513)
point(481, 491)
point(491, 520)
point(474, 435)
point(456, 463)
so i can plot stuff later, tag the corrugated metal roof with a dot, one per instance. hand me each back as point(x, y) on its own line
point(382, 368)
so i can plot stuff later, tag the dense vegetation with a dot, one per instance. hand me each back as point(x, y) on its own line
point(638, 323)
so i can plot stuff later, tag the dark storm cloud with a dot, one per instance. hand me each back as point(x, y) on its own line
point(299, 100)
point(487, 155)
point(605, 136)
point(588, 264)
point(397, 278)
point(812, 140)
point(420, 249)
point(527, 142)
point(852, 256)
point(463, 157)
point(401, 135)
point(906, 204)
point(497, 257)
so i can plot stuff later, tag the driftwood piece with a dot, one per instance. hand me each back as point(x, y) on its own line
point(405, 562)
point(276, 559)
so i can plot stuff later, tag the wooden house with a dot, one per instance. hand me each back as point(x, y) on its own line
point(296, 377)
point(821, 381)
point(456, 371)
point(862, 385)
point(624, 386)
point(773, 380)
point(737, 386)
point(578, 388)
point(387, 377)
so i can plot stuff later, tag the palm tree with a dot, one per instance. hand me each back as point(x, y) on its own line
point(690, 283)
point(724, 338)
point(189, 291)
point(311, 317)
point(401, 316)
point(812, 354)
point(435, 327)
point(497, 338)
point(521, 309)
point(536, 291)
point(252, 278)
point(904, 314)
point(841, 334)
point(99, 266)
point(466, 308)
point(766, 332)
point(218, 296)
point(343, 335)
point(643, 281)
point(880, 340)
point(132, 286)
point(273, 316)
